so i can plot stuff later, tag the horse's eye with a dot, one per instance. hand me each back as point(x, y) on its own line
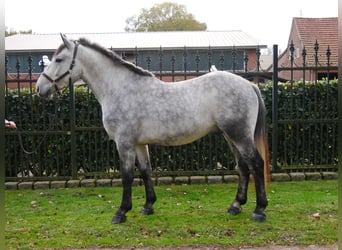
point(58, 60)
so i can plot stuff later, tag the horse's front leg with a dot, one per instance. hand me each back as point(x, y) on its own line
point(146, 174)
point(127, 162)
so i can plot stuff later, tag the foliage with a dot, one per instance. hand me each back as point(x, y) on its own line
point(307, 134)
point(299, 213)
point(166, 16)
point(11, 32)
point(307, 116)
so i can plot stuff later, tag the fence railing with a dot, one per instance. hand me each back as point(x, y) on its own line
point(303, 132)
point(304, 123)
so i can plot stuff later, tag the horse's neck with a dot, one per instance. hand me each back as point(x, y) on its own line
point(101, 75)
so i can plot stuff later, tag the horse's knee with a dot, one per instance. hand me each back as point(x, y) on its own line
point(146, 173)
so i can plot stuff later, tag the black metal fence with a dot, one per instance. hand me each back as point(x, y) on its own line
point(304, 114)
point(67, 140)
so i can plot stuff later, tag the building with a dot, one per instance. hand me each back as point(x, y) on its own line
point(313, 46)
point(161, 52)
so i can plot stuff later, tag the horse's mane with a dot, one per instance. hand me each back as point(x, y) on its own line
point(115, 57)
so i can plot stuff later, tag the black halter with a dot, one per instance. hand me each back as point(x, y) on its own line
point(68, 72)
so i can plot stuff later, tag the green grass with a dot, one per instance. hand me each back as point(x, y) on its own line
point(184, 215)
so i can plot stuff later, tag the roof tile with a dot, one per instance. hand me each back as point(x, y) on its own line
point(322, 30)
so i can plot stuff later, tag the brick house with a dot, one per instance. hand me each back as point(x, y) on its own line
point(319, 37)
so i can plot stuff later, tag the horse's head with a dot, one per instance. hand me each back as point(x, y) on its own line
point(61, 71)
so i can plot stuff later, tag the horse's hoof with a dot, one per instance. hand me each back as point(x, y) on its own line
point(234, 210)
point(117, 219)
point(259, 217)
point(147, 211)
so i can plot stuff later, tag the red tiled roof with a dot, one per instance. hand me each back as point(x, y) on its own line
point(325, 31)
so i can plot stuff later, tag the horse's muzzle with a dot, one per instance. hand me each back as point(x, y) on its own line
point(43, 90)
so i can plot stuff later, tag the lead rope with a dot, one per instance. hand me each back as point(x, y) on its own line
point(35, 150)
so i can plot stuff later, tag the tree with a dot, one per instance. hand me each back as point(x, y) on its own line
point(11, 32)
point(166, 16)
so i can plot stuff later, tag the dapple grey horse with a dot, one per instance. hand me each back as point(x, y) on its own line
point(139, 109)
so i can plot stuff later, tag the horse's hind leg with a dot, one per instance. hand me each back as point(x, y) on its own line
point(146, 174)
point(241, 196)
point(255, 163)
point(242, 167)
point(249, 162)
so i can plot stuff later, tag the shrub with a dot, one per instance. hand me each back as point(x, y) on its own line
point(307, 134)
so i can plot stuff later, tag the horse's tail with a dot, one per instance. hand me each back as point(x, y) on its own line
point(261, 136)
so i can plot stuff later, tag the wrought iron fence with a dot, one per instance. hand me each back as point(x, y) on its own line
point(304, 113)
point(67, 139)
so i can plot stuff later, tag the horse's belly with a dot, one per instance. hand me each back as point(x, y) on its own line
point(174, 138)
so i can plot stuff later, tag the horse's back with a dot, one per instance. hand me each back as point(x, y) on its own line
point(224, 95)
point(179, 113)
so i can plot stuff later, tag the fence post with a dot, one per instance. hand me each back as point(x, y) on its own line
point(72, 132)
point(275, 109)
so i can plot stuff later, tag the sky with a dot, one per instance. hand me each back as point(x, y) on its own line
point(267, 20)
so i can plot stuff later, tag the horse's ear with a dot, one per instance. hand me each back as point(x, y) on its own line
point(66, 41)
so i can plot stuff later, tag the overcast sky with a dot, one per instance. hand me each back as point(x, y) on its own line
point(267, 20)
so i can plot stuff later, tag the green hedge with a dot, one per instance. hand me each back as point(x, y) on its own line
point(307, 134)
point(307, 128)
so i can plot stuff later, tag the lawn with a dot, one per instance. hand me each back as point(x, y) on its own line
point(299, 213)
